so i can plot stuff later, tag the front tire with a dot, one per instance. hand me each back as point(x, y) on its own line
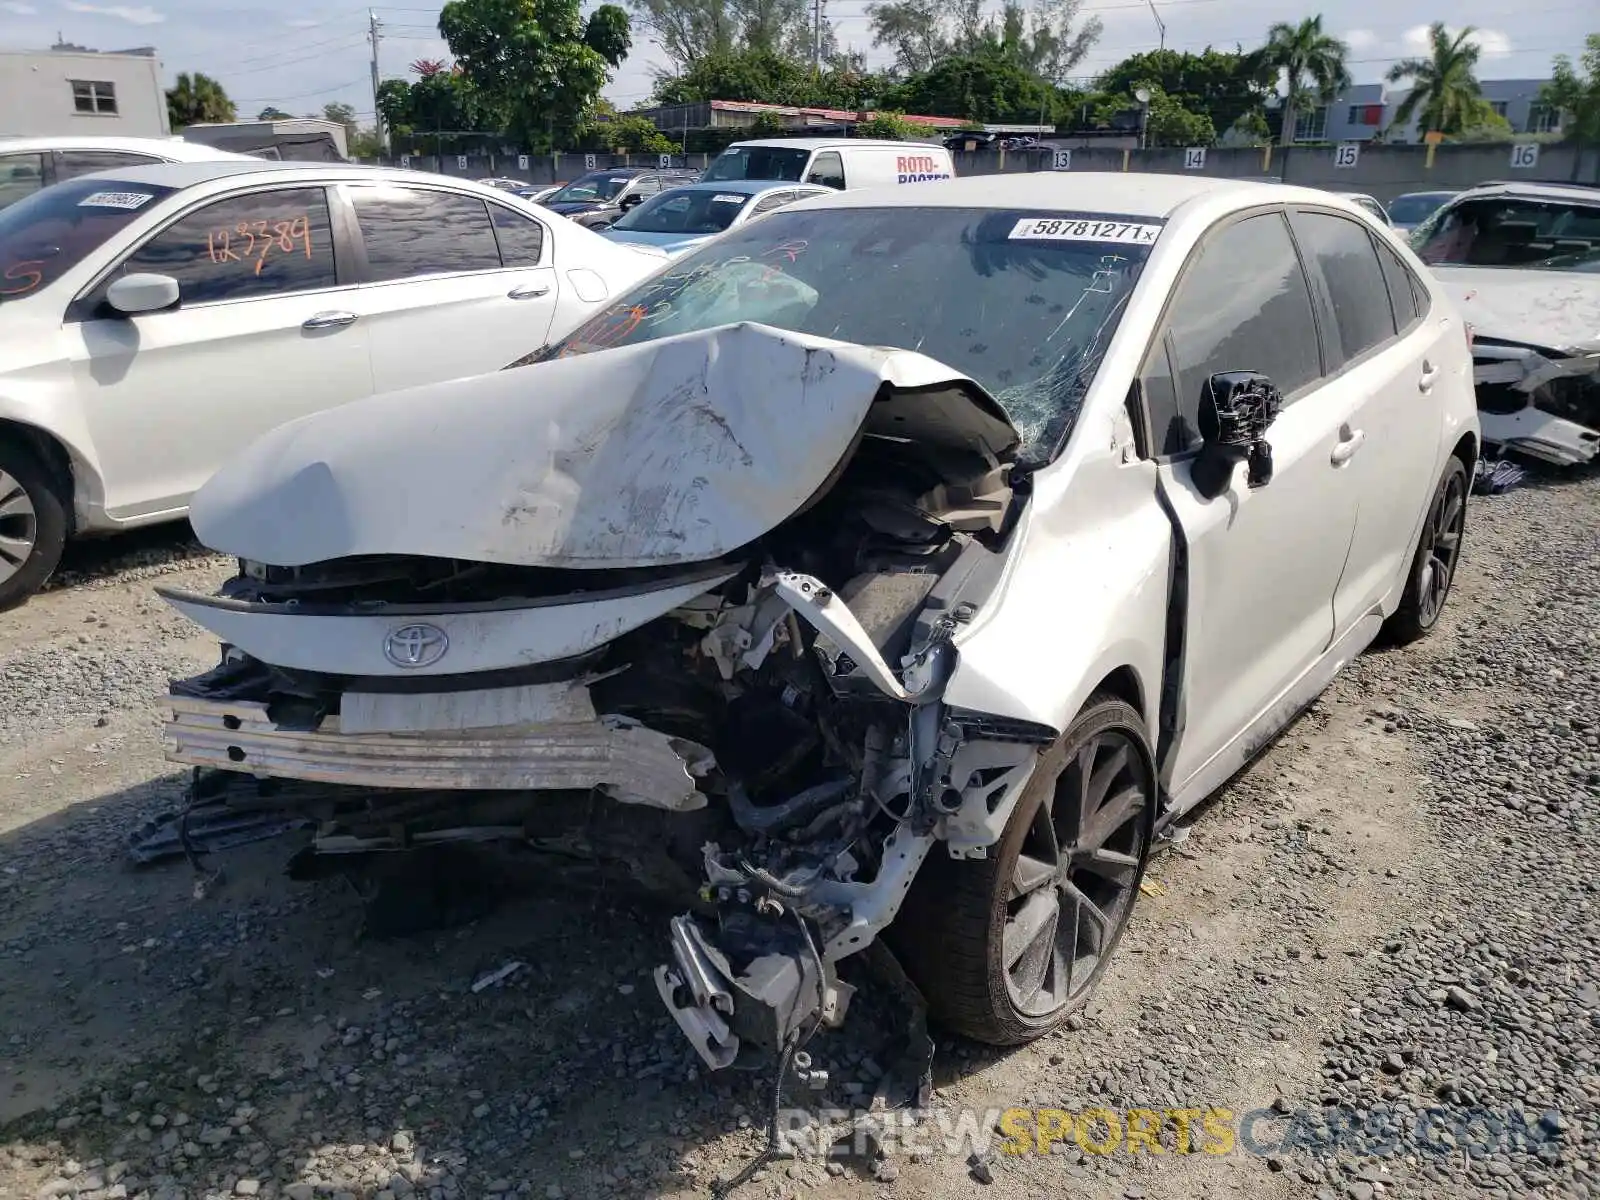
point(33, 524)
point(1006, 948)
point(1433, 567)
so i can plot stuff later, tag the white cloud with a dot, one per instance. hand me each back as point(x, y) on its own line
point(1360, 39)
point(143, 15)
point(22, 10)
point(1491, 41)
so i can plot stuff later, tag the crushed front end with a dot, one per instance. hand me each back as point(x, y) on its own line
point(1540, 401)
point(761, 731)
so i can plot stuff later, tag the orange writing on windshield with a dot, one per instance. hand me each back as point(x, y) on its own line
point(256, 241)
point(22, 277)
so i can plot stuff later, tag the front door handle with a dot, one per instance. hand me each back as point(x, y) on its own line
point(329, 320)
point(1429, 374)
point(530, 291)
point(1350, 440)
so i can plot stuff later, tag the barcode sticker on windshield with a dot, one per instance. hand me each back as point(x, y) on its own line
point(128, 200)
point(728, 198)
point(1057, 229)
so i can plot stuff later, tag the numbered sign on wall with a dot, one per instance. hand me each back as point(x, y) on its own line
point(588, 162)
point(405, 162)
point(461, 162)
point(1061, 160)
point(522, 162)
point(1194, 158)
point(1347, 154)
point(664, 161)
point(1524, 156)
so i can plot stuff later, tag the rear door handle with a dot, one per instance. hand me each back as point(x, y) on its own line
point(530, 291)
point(329, 320)
point(1429, 374)
point(1350, 440)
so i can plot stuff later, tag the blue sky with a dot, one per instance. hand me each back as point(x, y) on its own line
point(300, 59)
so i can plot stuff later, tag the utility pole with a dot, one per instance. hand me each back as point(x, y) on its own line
point(816, 36)
point(377, 117)
point(1160, 24)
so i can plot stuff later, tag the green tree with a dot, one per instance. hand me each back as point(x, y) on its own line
point(1169, 122)
point(1444, 86)
point(197, 99)
point(689, 31)
point(764, 77)
point(1575, 96)
point(1230, 88)
point(889, 125)
point(537, 63)
point(272, 113)
point(1310, 60)
point(984, 87)
point(1039, 37)
point(635, 135)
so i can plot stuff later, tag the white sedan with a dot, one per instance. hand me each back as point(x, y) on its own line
point(29, 164)
point(155, 319)
point(899, 563)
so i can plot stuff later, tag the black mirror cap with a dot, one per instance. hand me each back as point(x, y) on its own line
point(1235, 413)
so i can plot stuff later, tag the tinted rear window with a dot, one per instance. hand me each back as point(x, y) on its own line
point(45, 235)
point(758, 162)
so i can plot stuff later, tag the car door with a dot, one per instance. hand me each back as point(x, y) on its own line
point(1263, 563)
point(258, 338)
point(1382, 366)
point(456, 284)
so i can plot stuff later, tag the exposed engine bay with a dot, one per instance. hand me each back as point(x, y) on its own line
point(762, 733)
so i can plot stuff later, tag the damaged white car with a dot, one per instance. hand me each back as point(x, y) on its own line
point(1522, 262)
point(894, 565)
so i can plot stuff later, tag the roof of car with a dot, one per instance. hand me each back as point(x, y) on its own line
point(748, 187)
point(179, 175)
point(1542, 191)
point(833, 143)
point(1125, 194)
point(174, 147)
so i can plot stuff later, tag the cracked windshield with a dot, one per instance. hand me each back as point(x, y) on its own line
point(1027, 318)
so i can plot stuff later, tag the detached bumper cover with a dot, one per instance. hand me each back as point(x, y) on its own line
point(631, 763)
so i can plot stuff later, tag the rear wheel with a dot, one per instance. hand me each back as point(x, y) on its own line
point(1433, 569)
point(1006, 948)
point(33, 524)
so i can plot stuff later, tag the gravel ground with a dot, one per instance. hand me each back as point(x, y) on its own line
point(1380, 941)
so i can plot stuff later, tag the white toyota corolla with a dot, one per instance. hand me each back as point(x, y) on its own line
point(896, 563)
point(153, 319)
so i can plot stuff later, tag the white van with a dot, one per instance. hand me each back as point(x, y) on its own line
point(833, 162)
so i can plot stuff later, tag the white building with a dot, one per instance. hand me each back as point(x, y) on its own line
point(75, 90)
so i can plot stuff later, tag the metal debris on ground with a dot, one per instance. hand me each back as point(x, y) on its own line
point(1493, 477)
point(499, 975)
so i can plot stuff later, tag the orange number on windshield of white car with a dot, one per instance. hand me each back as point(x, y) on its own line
point(260, 240)
point(21, 278)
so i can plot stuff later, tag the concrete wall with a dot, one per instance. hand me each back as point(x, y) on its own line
point(36, 94)
point(1381, 171)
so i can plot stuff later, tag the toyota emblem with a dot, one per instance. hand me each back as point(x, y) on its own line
point(415, 646)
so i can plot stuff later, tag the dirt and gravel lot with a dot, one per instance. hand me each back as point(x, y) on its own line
point(1390, 920)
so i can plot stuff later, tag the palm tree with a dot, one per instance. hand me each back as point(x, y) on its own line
point(1308, 58)
point(197, 99)
point(1443, 85)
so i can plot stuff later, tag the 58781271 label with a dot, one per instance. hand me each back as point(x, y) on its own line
point(1072, 229)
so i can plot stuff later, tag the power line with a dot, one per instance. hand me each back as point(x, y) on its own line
point(303, 95)
point(279, 64)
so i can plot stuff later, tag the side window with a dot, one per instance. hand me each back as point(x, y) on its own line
point(20, 175)
point(1169, 433)
point(1401, 296)
point(769, 202)
point(411, 232)
point(1242, 305)
point(827, 170)
point(263, 244)
point(521, 238)
point(72, 163)
point(648, 185)
point(1340, 251)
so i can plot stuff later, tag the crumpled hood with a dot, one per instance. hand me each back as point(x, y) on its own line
point(1555, 310)
point(672, 451)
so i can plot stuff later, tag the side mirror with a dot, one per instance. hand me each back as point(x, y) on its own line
point(629, 201)
point(135, 294)
point(1235, 412)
